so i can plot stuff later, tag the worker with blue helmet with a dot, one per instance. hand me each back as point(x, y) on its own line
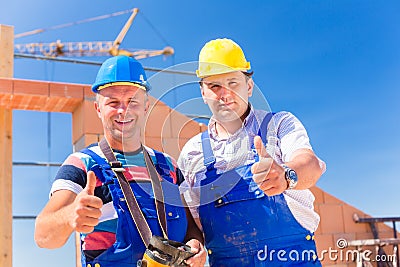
point(87, 197)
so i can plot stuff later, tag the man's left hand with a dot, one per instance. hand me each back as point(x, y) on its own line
point(200, 257)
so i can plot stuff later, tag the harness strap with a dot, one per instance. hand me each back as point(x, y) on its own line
point(133, 206)
point(158, 192)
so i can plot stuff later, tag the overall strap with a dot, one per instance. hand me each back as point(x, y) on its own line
point(133, 206)
point(209, 158)
point(102, 169)
point(162, 165)
point(262, 130)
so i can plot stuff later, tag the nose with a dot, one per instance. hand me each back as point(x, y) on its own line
point(122, 107)
point(224, 93)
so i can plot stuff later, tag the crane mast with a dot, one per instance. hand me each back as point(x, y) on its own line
point(81, 49)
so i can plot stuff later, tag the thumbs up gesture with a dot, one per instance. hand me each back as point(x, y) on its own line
point(87, 211)
point(267, 173)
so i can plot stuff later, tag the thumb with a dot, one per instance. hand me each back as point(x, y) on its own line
point(90, 183)
point(260, 148)
point(194, 245)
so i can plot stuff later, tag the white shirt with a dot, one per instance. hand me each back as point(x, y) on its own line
point(285, 134)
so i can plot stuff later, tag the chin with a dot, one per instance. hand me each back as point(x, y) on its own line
point(227, 119)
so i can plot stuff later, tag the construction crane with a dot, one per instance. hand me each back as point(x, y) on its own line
point(93, 48)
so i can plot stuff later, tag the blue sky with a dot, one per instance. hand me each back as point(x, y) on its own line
point(334, 64)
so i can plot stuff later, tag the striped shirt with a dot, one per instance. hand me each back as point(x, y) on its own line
point(72, 176)
point(285, 134)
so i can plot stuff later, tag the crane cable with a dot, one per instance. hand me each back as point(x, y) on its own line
point(174, 81)
point(19, 35)
point(154, 28)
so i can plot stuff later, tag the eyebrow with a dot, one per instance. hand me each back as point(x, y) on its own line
point(117, 98)
point(229, 79)
point(110, 98)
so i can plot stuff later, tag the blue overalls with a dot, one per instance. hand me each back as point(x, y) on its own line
point(129, 247)
point(245, 227)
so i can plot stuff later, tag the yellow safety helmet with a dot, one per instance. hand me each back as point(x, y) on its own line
point(221, 56)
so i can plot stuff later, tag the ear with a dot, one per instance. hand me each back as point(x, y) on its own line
point(146, 104)
point(97, 108)
point(250, 84)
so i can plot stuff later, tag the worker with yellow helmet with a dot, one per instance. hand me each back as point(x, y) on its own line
point(247, 177)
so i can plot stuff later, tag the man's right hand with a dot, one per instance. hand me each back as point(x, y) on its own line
point(86, 212)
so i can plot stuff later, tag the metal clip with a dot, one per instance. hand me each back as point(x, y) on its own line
point(117, 166)
point(118, 169)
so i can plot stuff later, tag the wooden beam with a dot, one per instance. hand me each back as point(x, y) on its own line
point(6, 51)
point(5, 187)
point(78, 254)
point(6, 70)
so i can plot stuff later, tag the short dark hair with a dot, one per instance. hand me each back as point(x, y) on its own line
point(248, 74)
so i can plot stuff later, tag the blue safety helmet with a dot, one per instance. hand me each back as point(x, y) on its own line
point(120, 70)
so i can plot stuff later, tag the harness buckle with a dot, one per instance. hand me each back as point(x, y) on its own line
point(116, 166)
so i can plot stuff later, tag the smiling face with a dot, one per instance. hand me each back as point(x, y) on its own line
point(227, 95)
point(122, 110)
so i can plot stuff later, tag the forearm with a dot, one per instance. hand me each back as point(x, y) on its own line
point(307, 167)
point(52, 230)
point(51, 237)
point(193, 231)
